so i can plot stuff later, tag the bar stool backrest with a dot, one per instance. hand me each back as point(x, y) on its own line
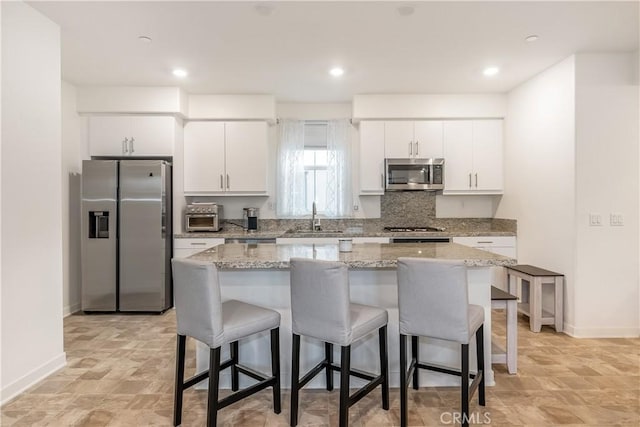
point(433, 299)
point(320, 300)
point(198, 303)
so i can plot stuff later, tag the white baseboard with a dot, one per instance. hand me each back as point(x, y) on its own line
point(601, 332)
point(70, 309)
point(21, 384)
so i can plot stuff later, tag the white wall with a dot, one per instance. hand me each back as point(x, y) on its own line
point(73, 148)
point(32, 341)
point(540, 172)
point(607, 181)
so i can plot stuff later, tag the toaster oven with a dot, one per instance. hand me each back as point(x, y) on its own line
point(202, 217)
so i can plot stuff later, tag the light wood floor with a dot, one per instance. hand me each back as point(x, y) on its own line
point(120, 373)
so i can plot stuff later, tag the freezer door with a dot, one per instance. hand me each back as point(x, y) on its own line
point(143, 236)
point(99, 234)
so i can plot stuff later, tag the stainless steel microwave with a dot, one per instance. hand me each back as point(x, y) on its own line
point(414, 174)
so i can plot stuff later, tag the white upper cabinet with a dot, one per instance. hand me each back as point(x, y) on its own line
point(413, 139)
point(372, 157)
point(246, 156)
point(204, 157)
point(141, 136)
point(473, 157)
point(225, 158)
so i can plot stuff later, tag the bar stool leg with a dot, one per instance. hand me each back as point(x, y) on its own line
point(233, 350)
point(328, 354)
point(275, 368)
point(179, 385)
point(464, 386)
point(295, 378)
point(480, 361)
point(214, 380)
point(403, 381)
point(415, 356)
point(384, 367)
point(345, 367)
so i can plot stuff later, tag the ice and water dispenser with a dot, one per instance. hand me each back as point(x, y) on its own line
point(98, 224)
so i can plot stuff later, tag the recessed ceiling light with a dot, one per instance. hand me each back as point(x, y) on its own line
point(264, 8)
point(178, 72)
point(144, 39)
point(491, 71)
point(406, 10)
point(336, 71)
point(531, 38)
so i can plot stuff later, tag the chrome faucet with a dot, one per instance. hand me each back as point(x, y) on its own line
point(315, 221)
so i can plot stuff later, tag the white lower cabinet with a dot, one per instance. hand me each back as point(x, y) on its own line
point(183, 248)
point(501, 245)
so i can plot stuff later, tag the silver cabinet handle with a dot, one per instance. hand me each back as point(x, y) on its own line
point(476, 180)
point(417, 145)
point(486, 241)
point(382, 180)
point(221, 182)
point(131, 144)
point(198, 243)
point(227, 181)
point(469, 180)
point(410, 148)
point(125, 147)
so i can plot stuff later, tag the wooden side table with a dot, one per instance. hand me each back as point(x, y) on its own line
point(531, 302)
point(504, 300)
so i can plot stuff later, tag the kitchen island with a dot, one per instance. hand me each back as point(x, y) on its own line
point(258, 274)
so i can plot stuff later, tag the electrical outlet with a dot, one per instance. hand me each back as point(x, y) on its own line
point(595, 219)
point(616, 219)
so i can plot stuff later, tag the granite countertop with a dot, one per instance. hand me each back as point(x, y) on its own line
point(235, 234)
point(364, 255)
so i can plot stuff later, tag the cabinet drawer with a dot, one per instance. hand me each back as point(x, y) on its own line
point(486, 241)
point(195, 243)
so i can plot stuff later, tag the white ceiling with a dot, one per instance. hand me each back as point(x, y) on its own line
point(235, 47)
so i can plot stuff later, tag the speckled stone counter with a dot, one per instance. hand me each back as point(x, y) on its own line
point(363, 255)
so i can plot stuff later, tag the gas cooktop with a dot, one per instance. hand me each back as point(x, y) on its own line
point(413, 229)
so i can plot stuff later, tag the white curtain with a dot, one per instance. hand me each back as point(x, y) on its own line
point(338, 169)
point(291, 182)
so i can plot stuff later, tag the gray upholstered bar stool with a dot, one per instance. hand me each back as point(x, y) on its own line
point(433, 302)
point(202, 315)
point(321, 308)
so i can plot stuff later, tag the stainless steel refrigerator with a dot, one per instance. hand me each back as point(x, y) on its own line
point(126, 235)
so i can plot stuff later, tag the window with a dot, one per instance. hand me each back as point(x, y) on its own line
point(314, 160)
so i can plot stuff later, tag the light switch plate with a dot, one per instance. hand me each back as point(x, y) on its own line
point(595, 219)
point(616, 219)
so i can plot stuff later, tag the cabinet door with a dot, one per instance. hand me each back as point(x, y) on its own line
point(107, 135)
point(204, 157)
point(487, 155)
point(372, 157)
point(458, 137)
point(152, 136)
point(398, 139)
point(246, 157)
point(428, 139)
